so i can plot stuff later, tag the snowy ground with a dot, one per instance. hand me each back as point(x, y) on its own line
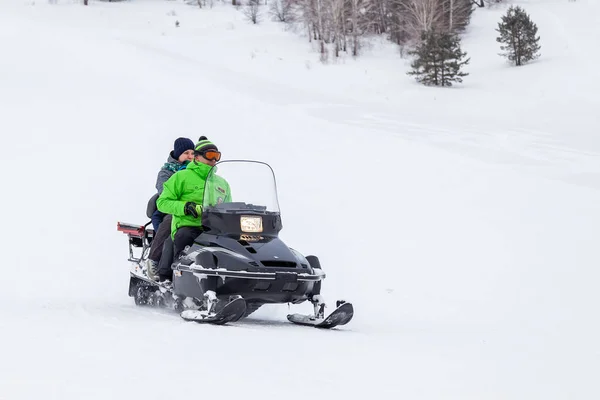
point(461, 222)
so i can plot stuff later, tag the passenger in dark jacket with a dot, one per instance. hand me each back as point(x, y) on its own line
point(179, 157)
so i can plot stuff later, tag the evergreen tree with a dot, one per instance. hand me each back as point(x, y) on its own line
point(518, 36)
point(439, 59)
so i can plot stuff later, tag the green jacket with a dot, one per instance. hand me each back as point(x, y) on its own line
point(188, 185)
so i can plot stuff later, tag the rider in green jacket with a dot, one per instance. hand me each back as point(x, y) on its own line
point(183, 194)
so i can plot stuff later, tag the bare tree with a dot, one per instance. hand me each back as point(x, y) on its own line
point(340, 25)
point(482, 3)
point(312, 14)
point(456, 14)
point(304, 12)
point(398, 21)
point(336, 19)
point(282, 10)
point(380, 18)
point(201, 3)
point(493, 2)
point(424, 15)
point(355, 22)
point(252, 11)
point(360, 18)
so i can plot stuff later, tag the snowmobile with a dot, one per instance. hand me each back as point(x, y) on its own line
point(238, 263)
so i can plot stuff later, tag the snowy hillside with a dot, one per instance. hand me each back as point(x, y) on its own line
point(462, 223)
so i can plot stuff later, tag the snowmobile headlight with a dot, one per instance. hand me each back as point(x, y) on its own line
point(251, 223)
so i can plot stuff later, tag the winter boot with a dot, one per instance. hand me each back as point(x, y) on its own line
point(165, 281)
point(210, 301)
point(152, 269)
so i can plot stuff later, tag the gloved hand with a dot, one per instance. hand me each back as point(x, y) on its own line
point(192, 209)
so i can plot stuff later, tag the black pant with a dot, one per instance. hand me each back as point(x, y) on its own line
point(163, 232)
point(171, 249)
point(185, 237)
point(166, 259)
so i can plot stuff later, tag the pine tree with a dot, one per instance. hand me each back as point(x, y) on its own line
point(518, 36)
point(439, 59)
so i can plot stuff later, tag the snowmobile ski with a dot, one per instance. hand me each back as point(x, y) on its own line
point(231, 312)
point(340, 316)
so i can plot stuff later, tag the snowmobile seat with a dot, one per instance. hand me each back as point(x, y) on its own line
point(151, 207)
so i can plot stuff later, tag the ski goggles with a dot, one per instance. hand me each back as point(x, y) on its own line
point(211, 155)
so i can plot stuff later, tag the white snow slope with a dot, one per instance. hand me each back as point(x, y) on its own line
point(463, 223)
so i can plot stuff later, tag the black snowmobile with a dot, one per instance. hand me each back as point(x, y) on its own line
point(238, 262)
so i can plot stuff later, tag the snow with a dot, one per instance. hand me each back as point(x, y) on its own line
point(462, 223)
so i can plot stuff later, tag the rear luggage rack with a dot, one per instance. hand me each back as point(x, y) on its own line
point(139, 236)
point(131, 230)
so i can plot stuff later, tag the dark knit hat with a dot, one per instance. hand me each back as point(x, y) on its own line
point(204, 144)
point(181, 145)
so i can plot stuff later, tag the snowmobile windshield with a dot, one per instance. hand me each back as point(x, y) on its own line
point(241, 187)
